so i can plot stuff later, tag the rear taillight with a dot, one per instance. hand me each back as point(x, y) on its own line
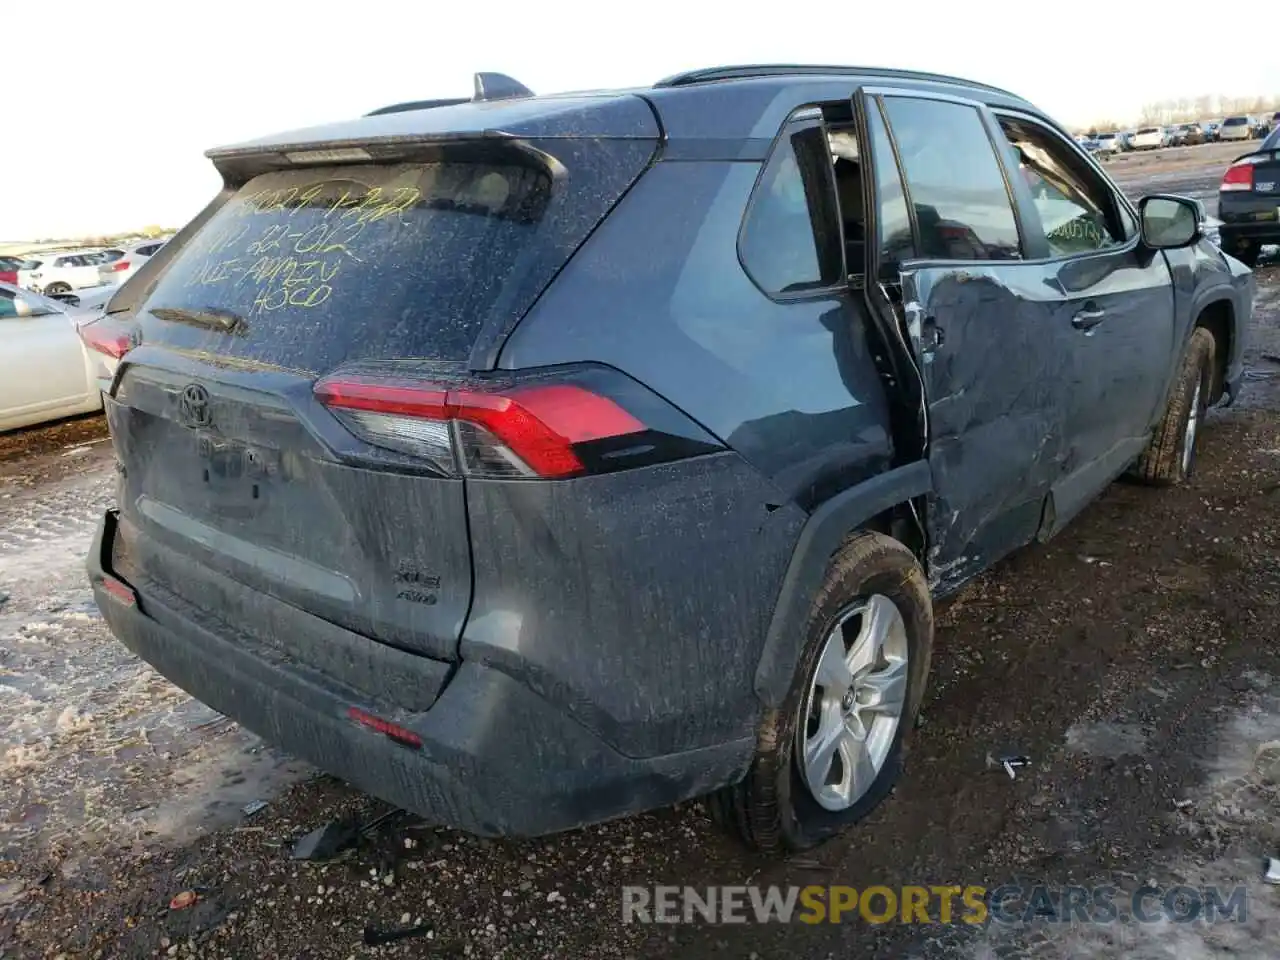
point(111, 342)
point(1239, 176)
point(575, 424)
point(119, 266)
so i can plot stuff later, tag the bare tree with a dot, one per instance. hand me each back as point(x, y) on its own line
point(1150, 114)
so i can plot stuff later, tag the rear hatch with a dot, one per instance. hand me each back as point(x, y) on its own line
point(237, 480)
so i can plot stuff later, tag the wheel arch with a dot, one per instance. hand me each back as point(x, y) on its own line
point(884, 503)
point(1215, 311)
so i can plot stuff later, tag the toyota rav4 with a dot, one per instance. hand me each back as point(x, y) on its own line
point(530, 461)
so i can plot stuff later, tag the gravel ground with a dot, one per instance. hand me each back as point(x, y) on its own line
point(1133, 659)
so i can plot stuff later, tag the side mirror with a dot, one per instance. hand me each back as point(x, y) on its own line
point(1169, 223)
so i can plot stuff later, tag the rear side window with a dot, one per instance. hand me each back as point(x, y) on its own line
point(960, 199)
point(789, 241)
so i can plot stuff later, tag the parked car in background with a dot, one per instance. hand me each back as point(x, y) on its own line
point(1211, 130)
point(1188, 135)
point(1236, 128)
point(1249, 201)
point(1110, 143)
point(1150, 138)
point(62, 272)
point(9, 267)
point(53, 373)
point(523, 541)
point(121, 269)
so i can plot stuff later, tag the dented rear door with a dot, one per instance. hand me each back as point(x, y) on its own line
point(949, 259)
point(990, 360)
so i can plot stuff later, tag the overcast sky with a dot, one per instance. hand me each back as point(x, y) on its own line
point(119, 101)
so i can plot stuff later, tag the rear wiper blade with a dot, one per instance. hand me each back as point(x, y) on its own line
point(212, 317)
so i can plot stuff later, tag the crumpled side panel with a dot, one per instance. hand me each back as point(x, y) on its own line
point(995, 413)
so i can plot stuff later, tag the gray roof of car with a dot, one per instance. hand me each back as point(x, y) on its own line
point(739, 104)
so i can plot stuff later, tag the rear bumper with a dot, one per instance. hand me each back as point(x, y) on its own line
point(1248, 216)
point(496, 758)
point(1231, 233)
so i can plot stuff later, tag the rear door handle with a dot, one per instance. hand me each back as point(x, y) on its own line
point(1088, 318)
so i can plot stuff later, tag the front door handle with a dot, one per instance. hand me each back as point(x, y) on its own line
point(1088, 318)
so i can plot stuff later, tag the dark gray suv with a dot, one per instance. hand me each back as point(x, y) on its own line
point(529, 461)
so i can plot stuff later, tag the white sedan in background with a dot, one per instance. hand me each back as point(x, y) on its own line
point(52, 373)
point(64, 271)
point(1150, 138)
point(118, 271)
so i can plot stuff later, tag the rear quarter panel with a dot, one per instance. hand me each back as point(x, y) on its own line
point(686, 562)
point(659, 293)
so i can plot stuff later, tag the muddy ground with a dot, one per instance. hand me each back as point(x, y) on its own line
point(1134, 659)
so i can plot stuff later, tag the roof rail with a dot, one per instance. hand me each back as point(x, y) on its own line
point(488, 86)
point(747, 71)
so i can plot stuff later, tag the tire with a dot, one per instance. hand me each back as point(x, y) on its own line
point(1170, 456)
point(57, 287)
point(1247, 252)
point(773, 809)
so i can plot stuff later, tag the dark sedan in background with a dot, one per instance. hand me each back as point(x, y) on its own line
point(1249, 201)
point(1188, 135)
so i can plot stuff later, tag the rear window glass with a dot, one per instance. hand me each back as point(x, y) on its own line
point(1235, 121)
point(306, 269)
point(1148, 130)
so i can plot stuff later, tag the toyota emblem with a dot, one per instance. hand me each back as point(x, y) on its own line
point(193, 405)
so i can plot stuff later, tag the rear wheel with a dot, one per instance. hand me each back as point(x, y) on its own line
point(833, 750)
point(57, 288)
point(1170, 456)
point(1247, 252)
